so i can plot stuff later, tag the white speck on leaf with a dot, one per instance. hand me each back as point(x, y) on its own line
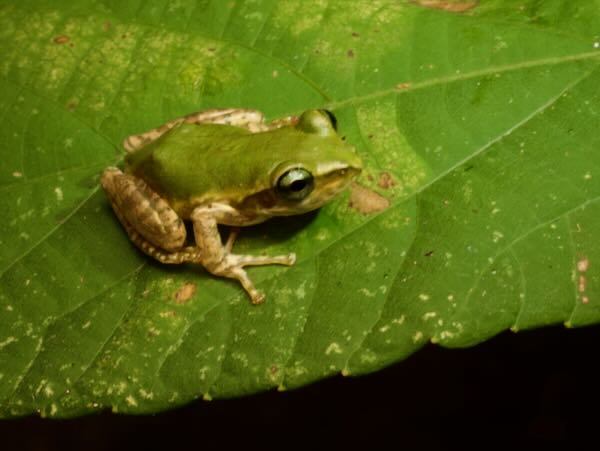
point(59, 194)
point(367, 292)
point(446, 334)
point(243, 358)
point(368, 356)
point(300, 291)
point(417, 337)
point(333, 348)
point(322, 235)
point(146, 395)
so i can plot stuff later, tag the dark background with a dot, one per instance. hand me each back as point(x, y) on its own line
point(537, 387)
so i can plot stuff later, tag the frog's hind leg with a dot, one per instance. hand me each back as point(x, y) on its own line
point(252, 120)
point(152, 225)
point(218, 259)
point(136, 142)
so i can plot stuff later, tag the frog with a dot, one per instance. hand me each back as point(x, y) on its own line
point(225, 167)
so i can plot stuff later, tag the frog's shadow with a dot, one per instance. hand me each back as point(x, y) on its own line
point(271, 232)
point(274, 231)
point(278, 229)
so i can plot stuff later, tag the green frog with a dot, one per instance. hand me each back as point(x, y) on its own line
point(225, 167)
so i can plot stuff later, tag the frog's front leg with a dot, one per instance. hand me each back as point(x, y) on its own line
point(218, 259)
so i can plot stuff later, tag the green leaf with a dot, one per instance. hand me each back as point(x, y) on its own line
point(477, 211)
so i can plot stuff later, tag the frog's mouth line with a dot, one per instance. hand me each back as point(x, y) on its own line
point(265, 204)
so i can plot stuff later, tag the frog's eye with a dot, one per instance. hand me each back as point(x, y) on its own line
point(319, 122)
point(295, 184)
point(331, 117)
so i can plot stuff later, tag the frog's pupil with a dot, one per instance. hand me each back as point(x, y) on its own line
point(298, 185)
point(332, 118)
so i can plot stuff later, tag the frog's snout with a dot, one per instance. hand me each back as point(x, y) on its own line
point(354, 165)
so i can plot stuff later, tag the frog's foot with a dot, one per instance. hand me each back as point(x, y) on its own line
point(232, 266)
point(217, 258)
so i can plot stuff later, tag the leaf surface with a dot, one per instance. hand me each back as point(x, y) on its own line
point(477, 210)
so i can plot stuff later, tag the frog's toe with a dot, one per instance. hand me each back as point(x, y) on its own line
point(259, 260)
point(257, 298)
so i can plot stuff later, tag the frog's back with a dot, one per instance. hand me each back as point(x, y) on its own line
point(190, 159)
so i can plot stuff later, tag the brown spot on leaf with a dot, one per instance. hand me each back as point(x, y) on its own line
point(72, 104)
point(366, 201)
point(350, 53)
point(453, 6)
point(404, 85)
point(386, 181)
point(185, 293)
point(106, 26)
point(583, 265)
point(355, 34)
point(62, 39)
